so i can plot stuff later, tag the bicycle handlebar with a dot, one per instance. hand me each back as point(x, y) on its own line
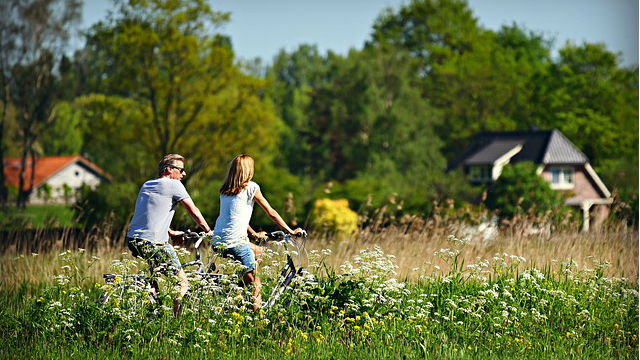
point(275, 235)
point(282, 235)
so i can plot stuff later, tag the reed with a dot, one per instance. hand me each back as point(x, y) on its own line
point(414, 250)
point(413, 244)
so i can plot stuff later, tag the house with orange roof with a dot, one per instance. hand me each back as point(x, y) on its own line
point(57, 178)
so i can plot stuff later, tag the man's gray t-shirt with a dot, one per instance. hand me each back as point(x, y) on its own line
point(155, 207)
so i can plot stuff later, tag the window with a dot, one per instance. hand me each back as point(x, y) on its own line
point(562, 177)
point(480, 173)
point(77, 173)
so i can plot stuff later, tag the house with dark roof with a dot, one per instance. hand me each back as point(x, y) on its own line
point(560, 162)
point(63, 176)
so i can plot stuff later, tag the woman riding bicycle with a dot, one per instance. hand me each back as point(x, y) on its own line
point(237, 196)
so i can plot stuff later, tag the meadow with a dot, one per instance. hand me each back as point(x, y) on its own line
point(390, 292)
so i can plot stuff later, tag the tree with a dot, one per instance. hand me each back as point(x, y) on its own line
point(594, 102)
point(293, 77)
point(358, 117)
point(189, 96)
point(32, 33)
point(479, 80)
point(32, 94)
point(431, 30)
point(64, 136)
point(520, 189)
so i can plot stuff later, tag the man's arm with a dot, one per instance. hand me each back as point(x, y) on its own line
point(195, 214)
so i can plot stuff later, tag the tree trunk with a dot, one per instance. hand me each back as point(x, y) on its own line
point(3, 186)
point(33, 170)
point(21, 201)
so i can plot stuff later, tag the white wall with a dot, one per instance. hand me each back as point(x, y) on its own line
point(73, 175)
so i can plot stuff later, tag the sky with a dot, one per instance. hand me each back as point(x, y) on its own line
point(261, 28)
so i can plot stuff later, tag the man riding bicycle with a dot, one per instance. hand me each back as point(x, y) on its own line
point(149, 231)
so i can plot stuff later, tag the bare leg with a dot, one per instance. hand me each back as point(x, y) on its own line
point(258, 252)
point(184, 287)
point(184, 283)
point(252, 278)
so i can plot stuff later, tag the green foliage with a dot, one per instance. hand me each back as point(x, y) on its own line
point(113, 139)
point(186, 96)
point(350, 122)
point(65, 135)
point(506, 80)
point(286, 192)
point(334, 217)
point(520, 189)
point(109, 201)
point(593, 101)
point(37, 217)
point(44, 192)
point(378, 123)
point(34, 34)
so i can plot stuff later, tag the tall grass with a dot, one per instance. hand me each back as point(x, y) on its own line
point(491, 308)
point(617, 245)
point(34, 260)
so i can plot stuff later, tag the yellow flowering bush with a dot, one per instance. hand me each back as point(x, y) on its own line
point(334, 216)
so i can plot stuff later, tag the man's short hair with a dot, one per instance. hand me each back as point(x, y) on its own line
point(170, 159)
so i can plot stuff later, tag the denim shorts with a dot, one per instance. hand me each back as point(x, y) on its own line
point(157, 255)
point(242, 253)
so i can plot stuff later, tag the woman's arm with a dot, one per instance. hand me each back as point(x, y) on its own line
point(254, 234)
point(195, 214)
point(273, 214)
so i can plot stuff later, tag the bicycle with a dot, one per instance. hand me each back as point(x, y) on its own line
point(208, 278)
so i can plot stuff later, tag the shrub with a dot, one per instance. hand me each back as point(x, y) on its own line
point(334, 216)
point(114, 201)
point(520, 190)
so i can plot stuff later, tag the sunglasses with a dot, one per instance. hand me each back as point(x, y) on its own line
point(178, 168)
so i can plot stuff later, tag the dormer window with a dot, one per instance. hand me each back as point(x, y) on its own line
point(562, 177)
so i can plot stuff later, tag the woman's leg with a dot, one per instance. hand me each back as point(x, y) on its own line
point(258, 252)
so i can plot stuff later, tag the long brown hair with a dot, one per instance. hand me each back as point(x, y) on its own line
point(239, 174)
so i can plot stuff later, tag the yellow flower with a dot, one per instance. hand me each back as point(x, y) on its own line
point(358, 317)
point(356, 328)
